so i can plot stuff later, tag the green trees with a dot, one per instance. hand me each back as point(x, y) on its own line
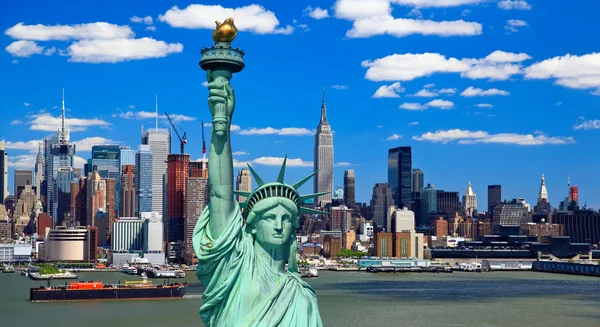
point(345, 253)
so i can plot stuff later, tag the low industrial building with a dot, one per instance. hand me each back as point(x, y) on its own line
point(15, 253)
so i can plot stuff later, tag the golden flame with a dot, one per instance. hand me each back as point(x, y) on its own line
point(225, 32)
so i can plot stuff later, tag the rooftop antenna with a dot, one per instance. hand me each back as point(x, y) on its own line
point(62, 125)
point(157, 112)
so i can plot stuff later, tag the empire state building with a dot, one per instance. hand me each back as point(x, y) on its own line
point(323, 159)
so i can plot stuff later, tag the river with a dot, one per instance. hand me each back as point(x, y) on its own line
point(345, 299)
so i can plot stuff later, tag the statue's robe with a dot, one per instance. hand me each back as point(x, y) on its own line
point(241, 289)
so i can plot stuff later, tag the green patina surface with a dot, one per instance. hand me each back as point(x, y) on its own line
point(247, 261)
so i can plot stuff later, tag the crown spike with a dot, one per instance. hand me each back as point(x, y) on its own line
point(304, 180)
point(282, 171)
point(311, 211)
point(259, 180)
point(310, 196)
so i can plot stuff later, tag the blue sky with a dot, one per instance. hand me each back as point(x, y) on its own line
point(487, 91)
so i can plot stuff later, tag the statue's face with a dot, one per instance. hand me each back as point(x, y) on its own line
point(274, 228)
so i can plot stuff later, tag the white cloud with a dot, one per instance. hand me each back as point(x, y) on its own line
point(316, 13)
point(240, 153)
point(152, 115)
point(46, 122)
point(146, 20)
point(277, 161)
point(499, 65)
point(473, 92)
point(50, 51)
point(415, 13)
point(205, 84)
point(401, 27)
point(16, 122)
point(118, 50)
point(503, 56)
point(379, 126)
point(374, 17)
point(465, 12)
point(26, 104)
point(514, 4)
point(484, 105)
point(425, 93)
point(514, 24)
point(252, 18)
point(24, 161)
point(447, 91)
point(428, 86)
point(389, 91)
point(39, 32)
point(151, 28)
point(413, 123)
point(558, 104)
point(394, 137)
point(295, 131)
point(587, 124)
point(86, 144)
point(79, 162)
point(442, 104)
point(340, 87)
point(437, 103)
point(412, 106)
point(472, 137)
point(81, 145)
point(572, 71)
point(343, 164)
point(131, 107)
point(436, 3)
point(24, 48)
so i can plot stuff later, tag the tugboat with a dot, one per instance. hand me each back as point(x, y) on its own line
point(308, 272)
point(78, 291)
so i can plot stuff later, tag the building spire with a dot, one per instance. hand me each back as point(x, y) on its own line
point(543, 194)
point(469, 190)
point(157, 112)
point(323, 109)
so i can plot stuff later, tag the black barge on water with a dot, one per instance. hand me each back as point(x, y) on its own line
point(79, 291)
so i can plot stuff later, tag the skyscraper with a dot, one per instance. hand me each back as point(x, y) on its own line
point(159, 141)
point(428, 204)
point(39, 173)
point(127, 203)
point(3, 172)
point(418, 180)
point(543, 193)
point(105, 159)
point(494, 197)
point(177, 170)
point(323, 158)
point(470, 201)
point(400, 175)
point(243, 182)
point(22, 178)
point(196, 199)
point(349, 188)
point(382, 199)
point(59, 154)
point(62, 194)
point(96, 197)
point(143, 180)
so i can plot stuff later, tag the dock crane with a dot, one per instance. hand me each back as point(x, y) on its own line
point(182, 140)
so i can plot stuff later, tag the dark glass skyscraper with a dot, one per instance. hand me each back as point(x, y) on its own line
point(494, 196)
point(105, 159)
point(349, 189)
point(400, 175)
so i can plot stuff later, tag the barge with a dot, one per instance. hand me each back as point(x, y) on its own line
point(79, 291)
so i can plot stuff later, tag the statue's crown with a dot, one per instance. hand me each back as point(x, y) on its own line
point(278, 189)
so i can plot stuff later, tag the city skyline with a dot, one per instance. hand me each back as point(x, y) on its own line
point(509, 101)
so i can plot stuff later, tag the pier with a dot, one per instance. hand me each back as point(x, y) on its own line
point(586, 269)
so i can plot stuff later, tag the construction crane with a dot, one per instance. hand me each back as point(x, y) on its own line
point(203, 148)
point(182, 140)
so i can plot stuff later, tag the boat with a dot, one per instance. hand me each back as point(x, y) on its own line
point(180, 274)
point(79, 291)
point(130, 270)
point(8, 269)
point(308, 272)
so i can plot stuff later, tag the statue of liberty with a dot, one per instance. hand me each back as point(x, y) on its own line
point(247, 260)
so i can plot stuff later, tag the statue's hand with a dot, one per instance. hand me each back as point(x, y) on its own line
point(221, 102)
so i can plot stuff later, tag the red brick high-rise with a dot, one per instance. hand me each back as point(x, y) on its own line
point(79, 201)
point(574, 193)
point(177, 173)
point(127, 193)
point(111, 202)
